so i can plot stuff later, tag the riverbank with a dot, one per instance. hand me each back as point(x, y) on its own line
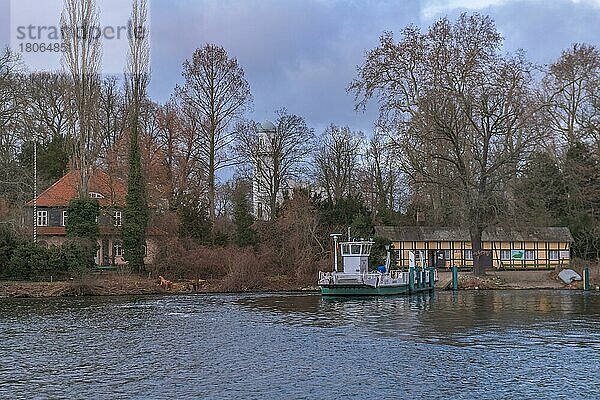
point(110, 284)
point(498, 280)
point(115, 284)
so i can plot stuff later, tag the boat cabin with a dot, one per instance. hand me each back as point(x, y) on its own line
point(355, 256)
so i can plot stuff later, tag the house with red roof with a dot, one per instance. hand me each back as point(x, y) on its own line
point(51, 215)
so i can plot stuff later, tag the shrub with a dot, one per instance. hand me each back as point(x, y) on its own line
point(78, 256)
point(244, 272)
point(28, 260)
point(8, 242)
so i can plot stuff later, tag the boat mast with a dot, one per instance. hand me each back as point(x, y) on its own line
point(335, 237)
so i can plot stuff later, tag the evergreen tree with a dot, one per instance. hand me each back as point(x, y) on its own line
point(243, 219)
point(137, 78)
point(82, 226)
point(82, 219)
point(540, 193)
point(194, 222)
point(136, 209)
point(582, 176)
point(52, 158)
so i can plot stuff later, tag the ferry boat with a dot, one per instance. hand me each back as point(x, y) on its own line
point(355, 279)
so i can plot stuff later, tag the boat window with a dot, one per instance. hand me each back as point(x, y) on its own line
point(367, 249)
point(355, 248)
point(345, 249)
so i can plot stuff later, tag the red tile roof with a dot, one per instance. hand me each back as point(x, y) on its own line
point(65, 189)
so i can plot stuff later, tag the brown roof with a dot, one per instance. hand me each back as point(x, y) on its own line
point(66, 188)
point(445, 234)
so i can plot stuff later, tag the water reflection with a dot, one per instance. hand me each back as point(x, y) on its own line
point(446, 317)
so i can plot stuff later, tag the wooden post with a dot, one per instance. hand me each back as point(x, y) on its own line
point(586, 278)
point(454, 277)
point(432, 277)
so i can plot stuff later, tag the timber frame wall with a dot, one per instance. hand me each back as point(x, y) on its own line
point(541, 259)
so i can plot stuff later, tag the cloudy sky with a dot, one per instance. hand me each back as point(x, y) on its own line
point(301, 54)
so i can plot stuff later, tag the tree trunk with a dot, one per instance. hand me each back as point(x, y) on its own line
point(476, 233)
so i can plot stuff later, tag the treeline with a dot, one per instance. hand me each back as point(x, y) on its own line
point(467, 135)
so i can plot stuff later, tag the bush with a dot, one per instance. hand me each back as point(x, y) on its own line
point(28, 260)
point(244, 272)
point(78, 256)
point(24, 260)
point(8, 242)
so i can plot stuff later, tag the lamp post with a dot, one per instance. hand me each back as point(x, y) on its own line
point(335, 237)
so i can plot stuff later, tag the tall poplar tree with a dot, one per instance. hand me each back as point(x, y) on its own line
point(136, 209)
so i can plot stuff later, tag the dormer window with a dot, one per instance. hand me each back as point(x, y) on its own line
point(96, 195)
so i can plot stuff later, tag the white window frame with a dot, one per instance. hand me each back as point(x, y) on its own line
point(448, 255)
point(64, 218)
point(528, 255)
point(118, 250)
point(96, 195)
point(42, 218)
point(505, 255)
point(118, 218)
point(553, 255)
point(468, 254)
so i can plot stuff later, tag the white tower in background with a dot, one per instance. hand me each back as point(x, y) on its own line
point(260, 181)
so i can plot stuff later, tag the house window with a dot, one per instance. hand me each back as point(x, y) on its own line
point(529, 254)
point(553, 255)
point(448, 255)
point(118, 250)
point(64, 218)
point(95, 195)
point(505, 255)
point(42, 218)
point(117, 218)
point(468, 254)
point(260, 211)
point(145, 248)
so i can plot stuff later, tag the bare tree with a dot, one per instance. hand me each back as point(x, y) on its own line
point(82, 59)
point(112, 110)
point(13, 133)
point(382, 175)
point(277, 155)
point(337, 161)
point(572, 90)
point(215, 96)
point(48, 110)
point(178, 141)
point(462, 111)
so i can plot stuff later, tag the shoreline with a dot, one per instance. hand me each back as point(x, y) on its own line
point(131, 285)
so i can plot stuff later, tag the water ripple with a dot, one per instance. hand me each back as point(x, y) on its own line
point(485, 345)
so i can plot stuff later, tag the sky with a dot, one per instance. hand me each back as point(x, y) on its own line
point(302, 54)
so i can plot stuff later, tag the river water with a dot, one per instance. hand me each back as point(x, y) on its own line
point(470, 345)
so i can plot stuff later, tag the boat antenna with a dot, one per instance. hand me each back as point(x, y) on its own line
point(349, 238)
